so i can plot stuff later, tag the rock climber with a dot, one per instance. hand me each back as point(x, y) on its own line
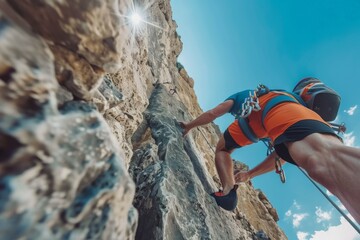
point(300, 136)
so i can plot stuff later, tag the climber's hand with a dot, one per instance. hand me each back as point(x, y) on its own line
point(185, 128)
point(242, 177)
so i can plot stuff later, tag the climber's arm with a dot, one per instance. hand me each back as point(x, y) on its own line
point(208, 116)
point(265, 166)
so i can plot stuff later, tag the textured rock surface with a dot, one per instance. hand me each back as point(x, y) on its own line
point(62, 174)
point(172, 184)
point(85, 99)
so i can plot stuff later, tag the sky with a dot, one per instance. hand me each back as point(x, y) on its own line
point(229, 46)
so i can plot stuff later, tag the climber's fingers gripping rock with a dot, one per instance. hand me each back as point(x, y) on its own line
point(185, 128)
point(242, 176)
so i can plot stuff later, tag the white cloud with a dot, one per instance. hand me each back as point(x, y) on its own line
point(322, 215)
point(349, 139)
point(296, 205)
point(302, 235)
point(351, 110)
point(297, 218)
point(342, 231)
point(288, 213)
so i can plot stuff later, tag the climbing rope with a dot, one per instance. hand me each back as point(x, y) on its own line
point(206, 139)
point(332, 202)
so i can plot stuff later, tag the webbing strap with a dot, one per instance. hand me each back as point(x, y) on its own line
point(284, 97)
point(246, 129)
point(274, 102)
point(290, 94)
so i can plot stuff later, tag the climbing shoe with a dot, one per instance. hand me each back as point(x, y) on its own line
point(227, 202)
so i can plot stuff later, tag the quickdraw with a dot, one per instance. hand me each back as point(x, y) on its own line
point(251, 103)
point(279, 170)
point(278, 166)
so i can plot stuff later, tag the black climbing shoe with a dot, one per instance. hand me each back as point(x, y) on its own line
point(227, 202)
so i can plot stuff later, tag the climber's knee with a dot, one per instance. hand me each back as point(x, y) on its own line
point(221, 144)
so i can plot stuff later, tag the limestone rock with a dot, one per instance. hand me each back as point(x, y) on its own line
point(172, 184)
point(27, 73)
point(268, 205)
point(95, 30)
point(261, 215)
point(86, 37)
point(61, 173)
point(85, 99)
point(75, 73)
point(107, 96)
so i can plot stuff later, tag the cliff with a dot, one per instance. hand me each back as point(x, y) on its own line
point(90, 147)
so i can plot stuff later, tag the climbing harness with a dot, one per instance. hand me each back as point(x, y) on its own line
point(251, 103)
point(323, 99)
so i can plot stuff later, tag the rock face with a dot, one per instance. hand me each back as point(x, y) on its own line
point(62, 173)
point(173, 185)
point(87, 99)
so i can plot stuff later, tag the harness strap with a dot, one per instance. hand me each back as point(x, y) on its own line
point(276, 101)
point(246, 129)
point(290, 94)
point(283, 97)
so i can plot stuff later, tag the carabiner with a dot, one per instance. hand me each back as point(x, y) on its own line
point(279, 170)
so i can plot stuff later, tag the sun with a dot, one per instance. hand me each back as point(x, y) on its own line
point(136, 18)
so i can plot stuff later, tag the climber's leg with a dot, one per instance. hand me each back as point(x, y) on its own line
point(332, 164)
point(224, 166)
point(315, 147)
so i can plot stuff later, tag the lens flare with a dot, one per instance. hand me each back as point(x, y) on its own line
point(136, 19)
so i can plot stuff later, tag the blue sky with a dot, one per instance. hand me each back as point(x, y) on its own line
point(235, 45)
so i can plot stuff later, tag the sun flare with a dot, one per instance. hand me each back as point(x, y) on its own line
point(136, 18)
